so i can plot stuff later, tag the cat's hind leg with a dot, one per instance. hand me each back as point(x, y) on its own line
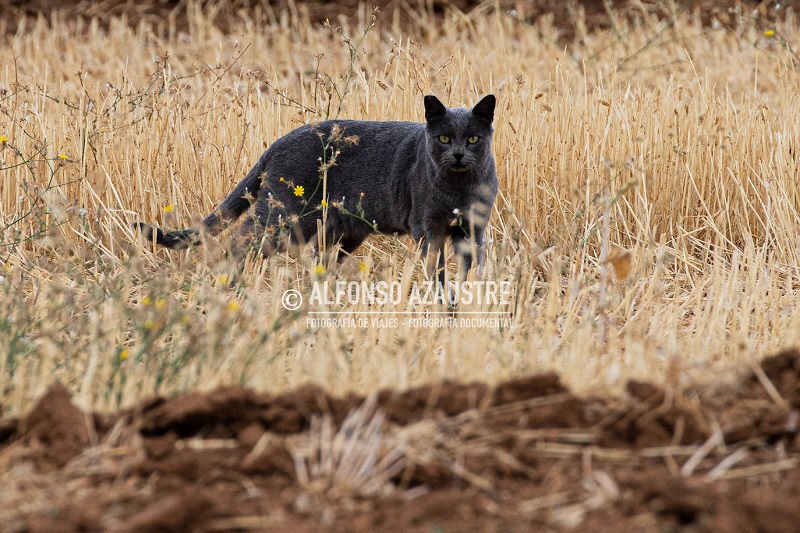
point(349, 244)
point(347, 239)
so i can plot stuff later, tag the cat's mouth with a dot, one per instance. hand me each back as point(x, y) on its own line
point(458, 167)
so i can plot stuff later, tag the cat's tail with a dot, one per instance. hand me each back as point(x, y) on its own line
point(237, 202)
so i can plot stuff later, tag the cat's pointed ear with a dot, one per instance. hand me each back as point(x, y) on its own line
point(434, 108)
point(485, 108)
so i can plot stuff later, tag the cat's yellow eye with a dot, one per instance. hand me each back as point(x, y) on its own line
point(444, 139)
point(473, 139)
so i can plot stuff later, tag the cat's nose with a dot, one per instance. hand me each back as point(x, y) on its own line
point(458, 156)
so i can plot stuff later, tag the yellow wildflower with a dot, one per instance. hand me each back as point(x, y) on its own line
point(320, 270)
point(299, 190)
point(3, 139)
point(62, 156)
point(222, 279)
point(146, 300)
point(161, 303)
point(169, 209)
point(362, 266)
point(123, 355)
point(769, 33)
point(324, 203)
point(233, 306)
point(281, 179)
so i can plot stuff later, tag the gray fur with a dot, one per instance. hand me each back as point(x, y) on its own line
point(398, 174)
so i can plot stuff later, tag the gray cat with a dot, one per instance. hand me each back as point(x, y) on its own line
point(433, 181)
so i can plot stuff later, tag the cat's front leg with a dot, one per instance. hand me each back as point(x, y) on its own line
point(433, 255)
point(469, 251)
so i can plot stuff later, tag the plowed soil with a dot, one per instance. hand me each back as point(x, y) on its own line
point(524, 455)
point(406, 12)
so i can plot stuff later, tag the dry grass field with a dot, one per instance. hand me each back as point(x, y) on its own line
point(665, 149)
point(647, 223)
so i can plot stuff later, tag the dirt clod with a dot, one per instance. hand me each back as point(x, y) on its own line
point(55, 430)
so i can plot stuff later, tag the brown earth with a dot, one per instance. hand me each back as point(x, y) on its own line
point(524, 455)
point(406, 12)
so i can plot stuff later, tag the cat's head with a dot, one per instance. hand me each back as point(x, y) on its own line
point(459, 139)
